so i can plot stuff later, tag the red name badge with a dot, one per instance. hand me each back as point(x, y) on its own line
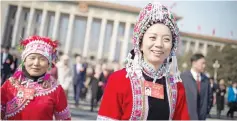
point(154, 90)
point(26, 93)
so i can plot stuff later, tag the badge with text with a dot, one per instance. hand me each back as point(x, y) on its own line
point(154, 90)
point(26, 93)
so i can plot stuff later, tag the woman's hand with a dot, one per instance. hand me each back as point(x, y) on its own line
point(101, 83)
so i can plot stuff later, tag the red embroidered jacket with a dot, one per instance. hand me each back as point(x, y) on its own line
point(117, 102)
point(45, 104)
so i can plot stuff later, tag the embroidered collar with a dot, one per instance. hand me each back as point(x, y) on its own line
point(26, 79)
point(151, 72)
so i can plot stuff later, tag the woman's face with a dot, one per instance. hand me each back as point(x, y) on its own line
point(156, 44)
point(36, 64)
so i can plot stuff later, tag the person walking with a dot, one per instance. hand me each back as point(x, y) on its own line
point(197, 88)
point(6, 62)
point(220, 97)
point(232, 100)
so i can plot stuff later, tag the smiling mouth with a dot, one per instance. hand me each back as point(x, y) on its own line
point(157, 52)
point(35, 69)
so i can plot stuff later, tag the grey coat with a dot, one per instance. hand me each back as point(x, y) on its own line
point(198, 110)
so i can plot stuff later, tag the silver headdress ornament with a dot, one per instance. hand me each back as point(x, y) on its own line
point(151, 14)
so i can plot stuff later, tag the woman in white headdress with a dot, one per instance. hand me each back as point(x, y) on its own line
point(148, 66)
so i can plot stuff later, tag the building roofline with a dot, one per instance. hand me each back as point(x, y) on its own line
point(208, 37)
point(133, 9)
point(117, 6)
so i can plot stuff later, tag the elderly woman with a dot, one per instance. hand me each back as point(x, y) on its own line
point(155, 39)
point(32, 93)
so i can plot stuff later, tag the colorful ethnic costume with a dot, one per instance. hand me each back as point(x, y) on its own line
point(24, 97)
point(139, 92)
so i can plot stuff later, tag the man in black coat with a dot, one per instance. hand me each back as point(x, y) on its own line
point(6, 61)
point(197, 89)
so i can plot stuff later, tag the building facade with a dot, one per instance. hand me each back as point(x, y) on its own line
point(101, 29)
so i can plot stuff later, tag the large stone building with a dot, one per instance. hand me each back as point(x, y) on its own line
point(94, 28)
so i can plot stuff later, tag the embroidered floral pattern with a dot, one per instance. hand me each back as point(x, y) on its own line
point(172, 87)
point(65, 114)
point(17, 104)
point(137, 100)
point(41, 89)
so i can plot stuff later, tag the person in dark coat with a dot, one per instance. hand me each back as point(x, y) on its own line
point(79, 76)
point(213, 86)
point(197, 88)
point(102, 80)
point(6, 61)
point(84, 89)
point(94, 84)
point(14, 65)
point(220, 97)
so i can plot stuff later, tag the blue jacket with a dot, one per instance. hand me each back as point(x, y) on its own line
point(232, 97)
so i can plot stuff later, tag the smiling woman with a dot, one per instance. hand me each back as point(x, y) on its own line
point(156, 44)
point(145, 89)
point(36, 64)
point(32, 87)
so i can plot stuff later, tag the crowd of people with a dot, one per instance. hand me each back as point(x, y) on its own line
point(224, 93)
point(148, 84)
point(85, 75)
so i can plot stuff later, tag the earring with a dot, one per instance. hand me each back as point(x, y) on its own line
point(50, 67)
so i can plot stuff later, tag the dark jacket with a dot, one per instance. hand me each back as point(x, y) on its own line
point(198, 103)
point(79, 78)
point(220, 98)
point(6, 64)
point(213, 90)
point(94, 86)
point(6, 67)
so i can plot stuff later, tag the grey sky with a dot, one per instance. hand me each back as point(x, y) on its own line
point(221, 15)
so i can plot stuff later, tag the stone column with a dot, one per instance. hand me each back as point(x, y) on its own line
point(101, 40)
point(69, 32)
point(125, 42)
point(87, 36)
point(56, 24)
point(16, 25)
point(43, 22)
point(30, 21)
point(113, 40)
